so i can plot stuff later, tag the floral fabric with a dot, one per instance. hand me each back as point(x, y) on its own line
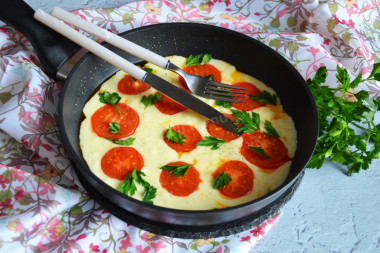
point(43, 208)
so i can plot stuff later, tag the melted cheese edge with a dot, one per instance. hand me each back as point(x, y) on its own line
point(149, 142)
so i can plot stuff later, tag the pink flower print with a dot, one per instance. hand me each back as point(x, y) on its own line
point(126, 243)
point(259, 230)
point(245, 238)
point(45, 188)
point(140, 249)
point(15, 226)
point(94, 248)
point(326, 41)
point(80, 237)
point(157, 246)
point(257, 13)
point(19, 194)
point(56, 229)
point(3, 182)
point(5, 205)
point(144, 237)
point(313, 50)
point(45, 122)
point(219, 250)
point(3, 29)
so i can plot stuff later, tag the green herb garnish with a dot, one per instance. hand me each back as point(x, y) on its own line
point(251, 123)
point(269, 129)
point(260, 151)
point(129, 188)
point(174, 136)
point(347, 132)
point(110, 98)
point(126, 142)
point(214, 142)
point(221, 180)
point(177, 170)
point(265, 97)
point(114, 128)
point(223, 104)
point(151, 99)
point(198, 59)
point(149, 70)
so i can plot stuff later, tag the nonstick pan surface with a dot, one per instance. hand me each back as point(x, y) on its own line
point(248, 55)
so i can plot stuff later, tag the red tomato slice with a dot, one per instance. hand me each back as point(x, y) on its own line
point(203, 70)
point(128, 85)
point(242, 178)
point(119, 162)
point(248, 104)
point(219, 132)
point(180, 186)
point(190, 143)
point(168, 106)
point(128, 121)
point(273, 147)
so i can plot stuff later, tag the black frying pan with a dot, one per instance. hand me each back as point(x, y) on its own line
point(248, 55)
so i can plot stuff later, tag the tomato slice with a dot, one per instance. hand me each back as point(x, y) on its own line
point(180, 186)
point(190, 143)
point(204, 70)
point(217, 131)
point(120, 161)
point(128, 121)
point(168, 106)
point(242, 178)
point(273, 147)
point(128, 85)
point(248, 104)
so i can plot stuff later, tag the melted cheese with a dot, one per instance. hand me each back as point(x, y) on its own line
point(149, 142)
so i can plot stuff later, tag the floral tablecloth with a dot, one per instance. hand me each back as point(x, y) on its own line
point(43, 208)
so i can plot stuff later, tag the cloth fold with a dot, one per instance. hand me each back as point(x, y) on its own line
point(43, 208)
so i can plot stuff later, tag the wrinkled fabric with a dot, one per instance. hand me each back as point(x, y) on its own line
point(43, 208)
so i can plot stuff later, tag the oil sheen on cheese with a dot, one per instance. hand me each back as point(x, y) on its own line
point(156, 153)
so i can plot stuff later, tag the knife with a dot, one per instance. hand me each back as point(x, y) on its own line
point(170, 90)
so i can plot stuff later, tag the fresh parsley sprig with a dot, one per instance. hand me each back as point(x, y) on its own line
point(129, 187)
point(221, 180)
point(198, 59)
point(110, 98)
point(175, 136)
point(214, 142)
point(114, 128)
point(251, 123)
point(260, 151)
point(177, 170)
point(151, 99)
point(126, 142)
point(347, 132)
point(265, 97)
point(269, 129)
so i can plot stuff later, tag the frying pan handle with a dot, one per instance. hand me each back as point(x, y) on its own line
point(52, 49)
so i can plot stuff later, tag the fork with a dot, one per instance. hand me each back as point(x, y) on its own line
point(200, 86)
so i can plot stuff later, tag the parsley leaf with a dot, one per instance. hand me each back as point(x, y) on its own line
point(149, 70)
point(347, 132)
point(214, 142)
point(114, 128)
point(126, 142)
point(251, 123)
point(110, 98)
point(265, 97)
point(151, 99)
point(260, 151)
point(128, 187)
point(174, 136)
point(198, 59)
point(177, 170)
point(221, 180)
point(224, 104)
point(269, 129)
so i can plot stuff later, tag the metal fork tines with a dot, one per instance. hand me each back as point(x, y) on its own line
point(206, 88)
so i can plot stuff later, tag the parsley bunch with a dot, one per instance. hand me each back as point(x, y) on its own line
point(347, 134)
point(128, 187)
